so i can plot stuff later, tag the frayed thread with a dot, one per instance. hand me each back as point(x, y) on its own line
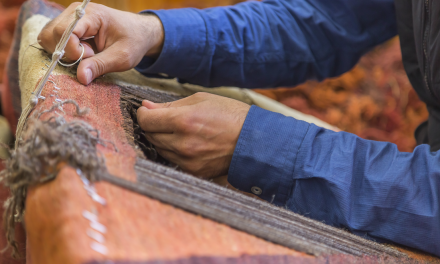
point(44, 147)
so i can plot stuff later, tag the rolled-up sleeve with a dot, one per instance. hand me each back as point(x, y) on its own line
point(270, 43)
point(367, 187)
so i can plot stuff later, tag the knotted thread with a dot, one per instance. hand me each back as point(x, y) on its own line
point(56, 56)
point(48, 144)
point(79, 12)
point(33, 101)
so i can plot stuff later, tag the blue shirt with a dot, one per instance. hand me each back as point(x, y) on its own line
point(365, 186)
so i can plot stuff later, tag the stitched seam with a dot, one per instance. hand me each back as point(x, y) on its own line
point(296, 160)
point(284, 166)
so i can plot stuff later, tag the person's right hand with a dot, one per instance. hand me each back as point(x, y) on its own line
point(122, 39)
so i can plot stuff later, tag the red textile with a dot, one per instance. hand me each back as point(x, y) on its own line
point(6, 258)
point(139, 228)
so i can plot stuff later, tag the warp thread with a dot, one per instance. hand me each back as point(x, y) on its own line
point(133, 131)
point(45, 146)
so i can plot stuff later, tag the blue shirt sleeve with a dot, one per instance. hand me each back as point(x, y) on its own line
point(367, 187)
point(270, 43)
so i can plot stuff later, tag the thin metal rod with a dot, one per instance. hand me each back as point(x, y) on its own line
point(56, 56)
point(59, 49)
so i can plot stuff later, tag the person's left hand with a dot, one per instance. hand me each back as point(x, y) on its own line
point(197, 133)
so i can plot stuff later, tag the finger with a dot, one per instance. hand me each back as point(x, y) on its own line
point(175, 143)
point(156, 120)
point(162, 140)
point(45, 38)
point(85, 28)
point(73, 50)
point(88, 27)
point(87, 32)
point(88, 50)
point(152, 105)
point(190, 100)
point(171, 156)
point(113, 59)
point(189, 165)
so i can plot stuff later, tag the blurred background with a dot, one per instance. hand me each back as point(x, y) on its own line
point(374, 100)
point(139, 5)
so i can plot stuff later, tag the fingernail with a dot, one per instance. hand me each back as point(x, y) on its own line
point(89, 76)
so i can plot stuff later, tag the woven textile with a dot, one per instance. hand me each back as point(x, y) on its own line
point(11, 104)
point(66, 222)
point(139, 228)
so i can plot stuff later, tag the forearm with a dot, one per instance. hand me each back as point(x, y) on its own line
point(365, 186)
point(270, 43)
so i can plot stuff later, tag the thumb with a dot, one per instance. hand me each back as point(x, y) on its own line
point(151, 105)
point(112, 59)
point(187, 101)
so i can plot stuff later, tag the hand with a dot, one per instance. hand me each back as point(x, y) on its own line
point(121, 38)
point(198, 133)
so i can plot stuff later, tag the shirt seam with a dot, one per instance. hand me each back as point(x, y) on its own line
point(285, 198)
point(240, 144)
point(296, 160)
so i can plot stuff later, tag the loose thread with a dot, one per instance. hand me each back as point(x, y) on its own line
point(56, 56)
point(24, 53)
point(47, 144)
point(78, 110)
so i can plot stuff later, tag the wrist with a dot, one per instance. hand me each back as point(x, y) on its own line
point(154, 35)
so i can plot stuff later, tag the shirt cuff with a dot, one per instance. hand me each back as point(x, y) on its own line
point(265, 155)
point(184, 43)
